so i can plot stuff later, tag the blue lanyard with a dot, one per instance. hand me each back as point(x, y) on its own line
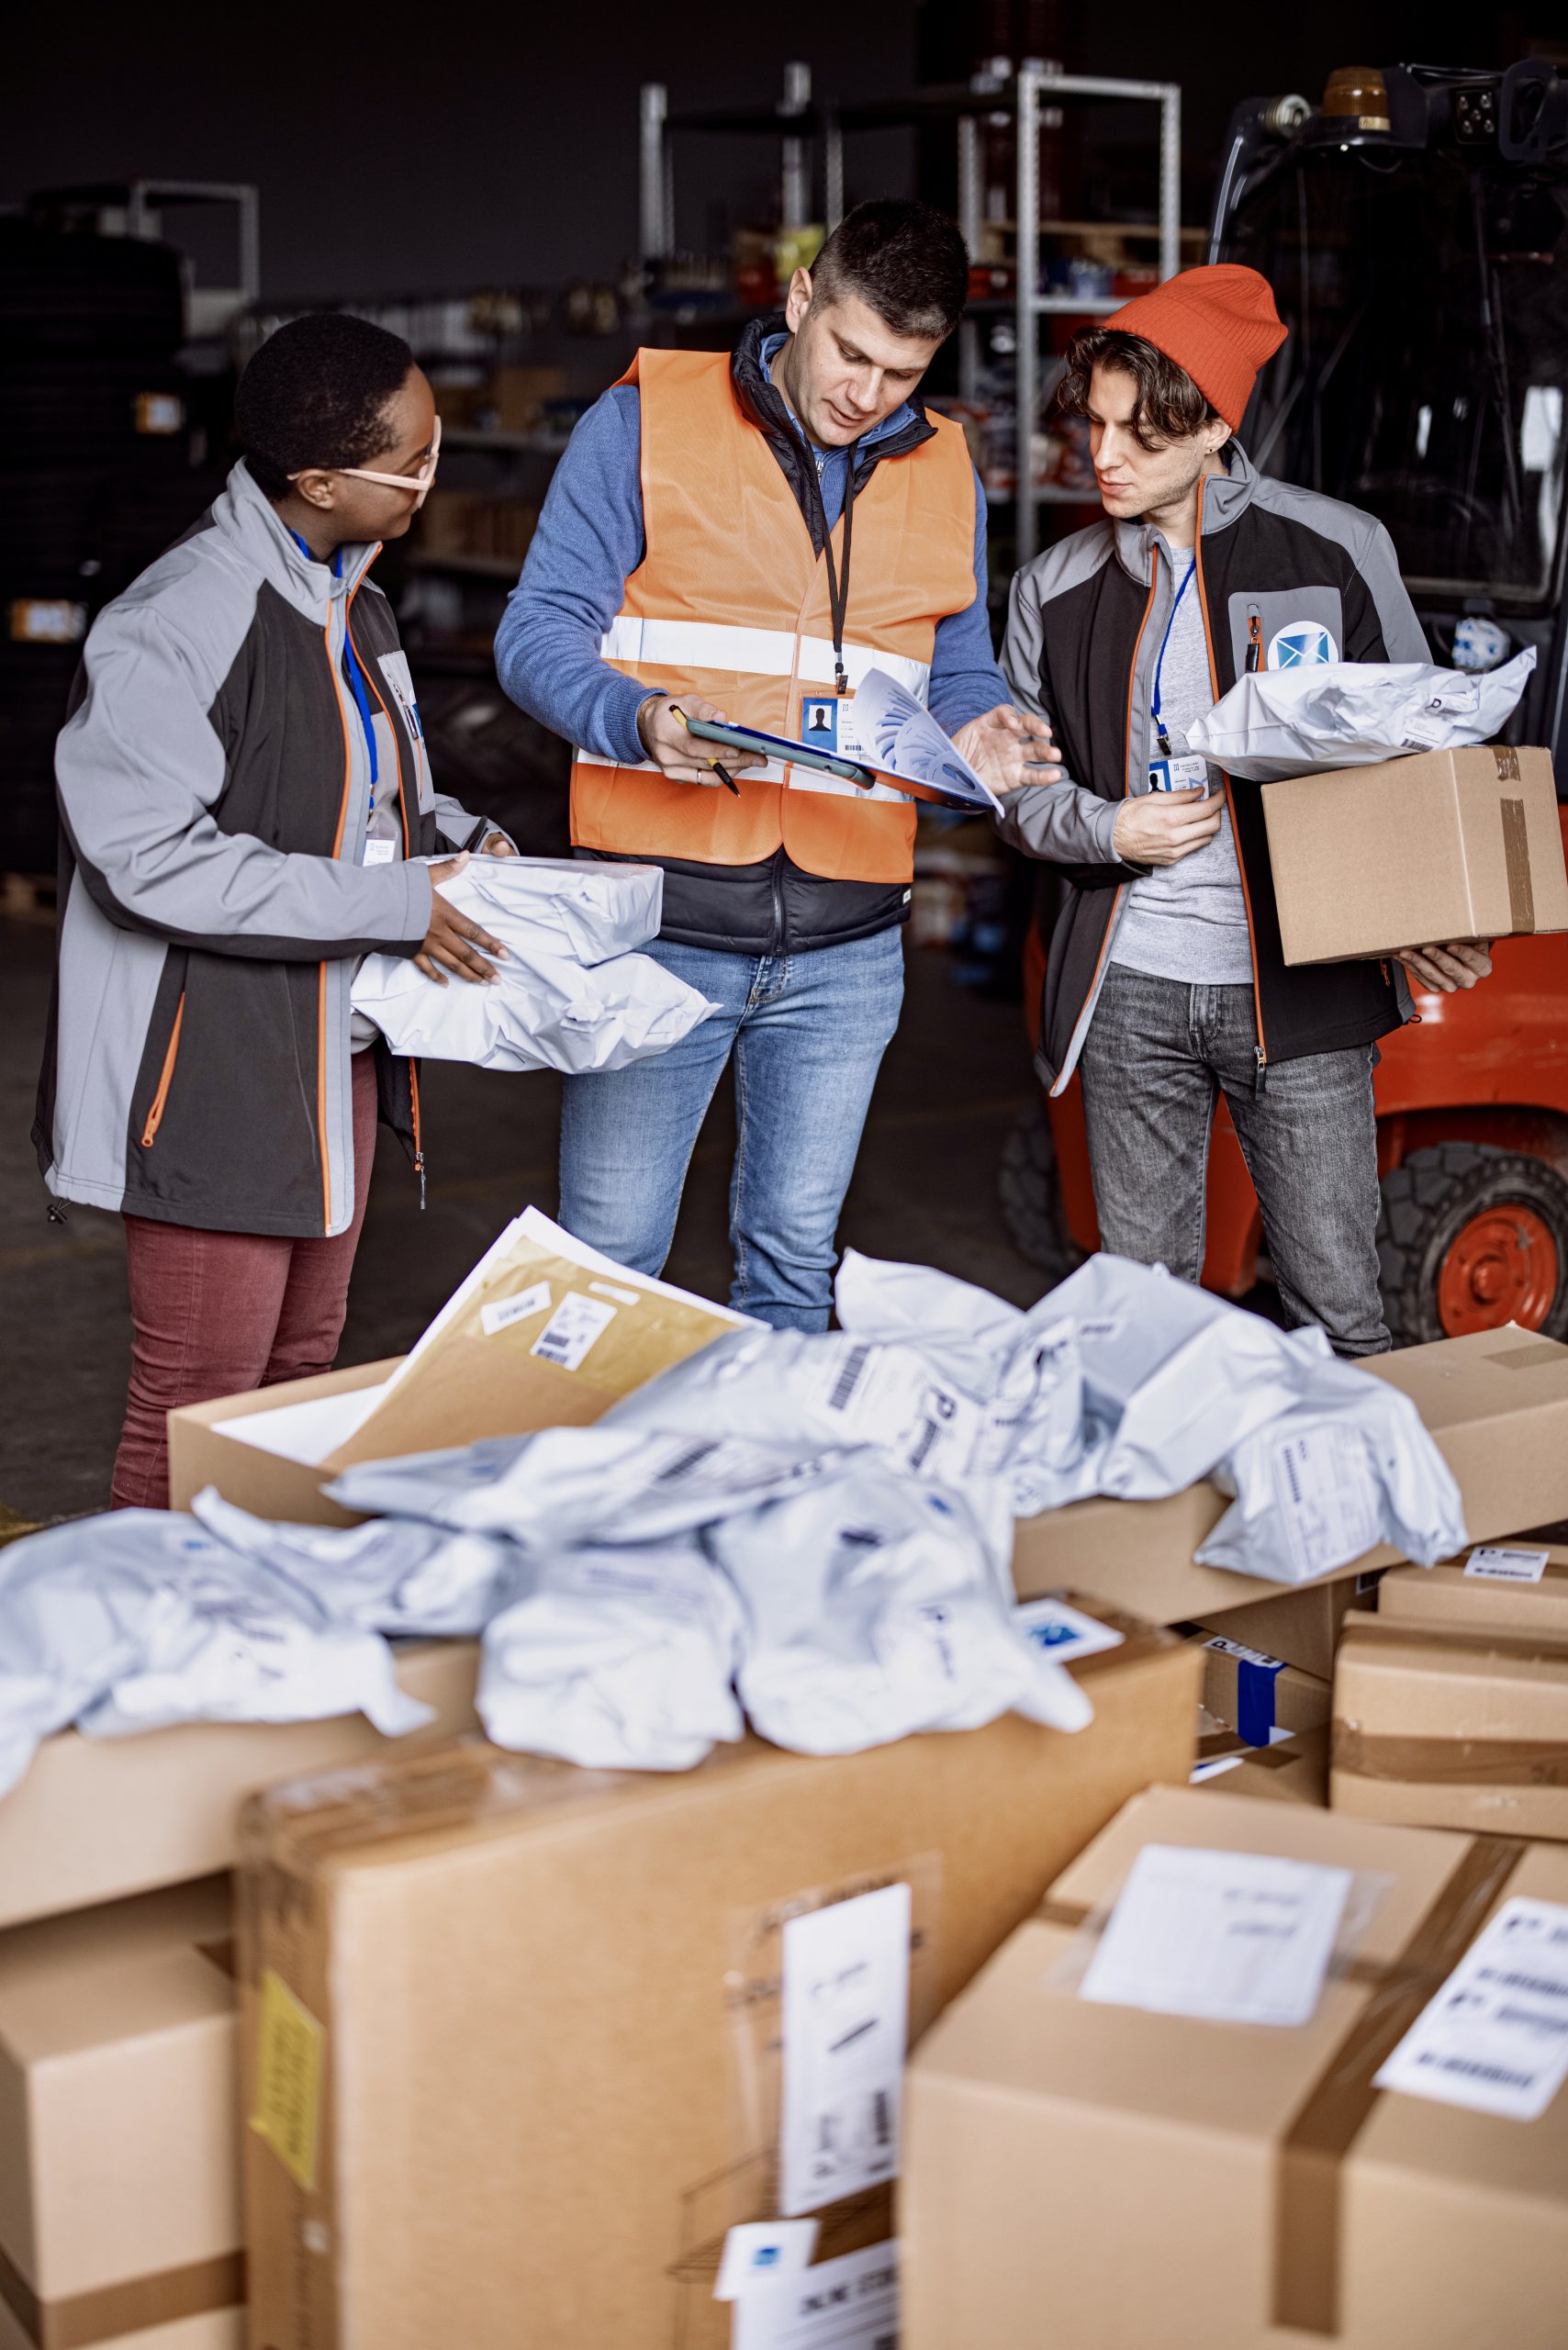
point(1161, 736)
point(357, 685)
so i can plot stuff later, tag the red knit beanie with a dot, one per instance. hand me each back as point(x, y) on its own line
point(1219, 323)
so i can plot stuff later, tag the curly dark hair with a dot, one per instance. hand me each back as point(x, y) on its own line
point(905, 260)
point(1169, 407)
point(316, 393)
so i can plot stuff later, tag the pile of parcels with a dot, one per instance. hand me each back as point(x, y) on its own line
point(967, 1996)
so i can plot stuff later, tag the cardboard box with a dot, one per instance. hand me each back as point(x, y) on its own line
point(1445, 1598)
point(1449, 1729)
point(1442, 845)
point(96, 1819)
point(1294, 1771)
point(1102, 2176)
point(519, 396)
point(119, 2127)
point(1255, 1693)
point(513, 2029)
point(1497, 1402)
point(1303, 1624)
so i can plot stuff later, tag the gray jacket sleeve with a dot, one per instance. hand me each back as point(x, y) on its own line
point(1385, 628)
point(139, 771)
point(1062, 822)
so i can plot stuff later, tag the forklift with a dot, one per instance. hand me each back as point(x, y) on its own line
point(1415, 230)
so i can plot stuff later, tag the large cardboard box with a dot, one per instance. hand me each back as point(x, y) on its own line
point(1450, 1598)
point(1257, 1694)
point(1443, 845)
point(1445, 1729)
point(1497, 1402)
point(1301, 1624)
point(119, 2127)
point(514, 2029)
point(96, 1819)
point(1102, 2177)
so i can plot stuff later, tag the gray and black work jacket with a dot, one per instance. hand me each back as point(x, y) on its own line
point(1085, 629)
point(215, 782)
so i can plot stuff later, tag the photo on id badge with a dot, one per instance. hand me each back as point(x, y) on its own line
point(819, 723)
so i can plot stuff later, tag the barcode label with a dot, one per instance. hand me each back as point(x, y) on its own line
point(1496, 2037)
point(576, 1324)
point(1506, 1566)
point(849, 1377)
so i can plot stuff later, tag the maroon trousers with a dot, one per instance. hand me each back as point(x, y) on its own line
point(220, 1313)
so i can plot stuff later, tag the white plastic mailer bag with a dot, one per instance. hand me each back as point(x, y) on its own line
point(578, 1485)
point(583, 908)
point(1349, 1466)
point(1307, 721)
point(392, 1575)
point(875, 1606)
point(616, 1658)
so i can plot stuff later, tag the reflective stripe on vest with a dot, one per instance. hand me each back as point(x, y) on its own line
point(730, 606)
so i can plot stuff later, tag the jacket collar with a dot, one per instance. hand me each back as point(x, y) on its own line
point(762, 404)
point(251, 524)
point(1225, 495)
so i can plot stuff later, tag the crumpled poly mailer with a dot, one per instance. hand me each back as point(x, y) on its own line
point(394, 1575)
point(140, 1617)
point(571, 992)
point(1278, 722)
point(616, 1658)
point(876, 1605)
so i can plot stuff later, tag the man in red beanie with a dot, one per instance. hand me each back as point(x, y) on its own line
point(1166, 984)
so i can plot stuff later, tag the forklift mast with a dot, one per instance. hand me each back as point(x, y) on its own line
point(1415, 230)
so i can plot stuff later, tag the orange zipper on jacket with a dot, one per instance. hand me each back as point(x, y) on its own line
point(155, 1114)
point(1229, 794)
point(408, 851)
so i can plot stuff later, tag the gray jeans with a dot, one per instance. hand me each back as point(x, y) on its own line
point(1158, 1055)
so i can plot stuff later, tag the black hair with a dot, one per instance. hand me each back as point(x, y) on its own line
point(1169, 406)
point(316, 393)
point(905, 259)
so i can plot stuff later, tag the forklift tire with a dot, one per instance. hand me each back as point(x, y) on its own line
point(1470, 1239)
point(1031, 1194)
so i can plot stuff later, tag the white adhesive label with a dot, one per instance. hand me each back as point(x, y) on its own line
point(576, 1324)
point(851, 2303)
point(379, 852)
point(1062, 1631)
point(1232, 1937)
point(886, 1397)
point(502, 1312)
point(1246, 1655)
point(1496, 2037)
point(1212, 1767)
point(622, 1296)
point(762, 2253)
point(1506, 1566)
point(844, 2023)
point(1327, 1498)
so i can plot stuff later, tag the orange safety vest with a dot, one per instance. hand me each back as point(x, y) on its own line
point(730, 604)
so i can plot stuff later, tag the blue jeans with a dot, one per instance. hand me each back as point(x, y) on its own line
point(1157, 1054)
point(807, 1033)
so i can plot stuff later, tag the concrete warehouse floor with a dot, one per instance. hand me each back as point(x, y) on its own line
point(925, 1190)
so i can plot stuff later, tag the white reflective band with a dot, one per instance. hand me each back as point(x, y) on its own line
point(759, 651)
point(812, 779)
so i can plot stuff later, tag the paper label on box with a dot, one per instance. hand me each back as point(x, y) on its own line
point(1062, 1631)
point(502, 1312)
point(1231, 1937)
point(288, 2079)
point(576, 1324)
point(762, 2253)
point(1496, 2037)
point(622, 1296)
point(1326, 1496)
point(851, 2303)
point(1246, 1655)
point(884, 1395)
point(1506, 1566)
point(844, 2027)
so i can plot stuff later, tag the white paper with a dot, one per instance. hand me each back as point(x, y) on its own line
point(1495, 2039)
point(502, 1312)
point(308, 1432)
point(1230, 1937)
point(572, 1329)
point(1327, 1498)
point(1062, 1631)
point(845, 2025)
point(1506, 1566)
point(851, 2303)
point(885, 725)
point(760, 2253)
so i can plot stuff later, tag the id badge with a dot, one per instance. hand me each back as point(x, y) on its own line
point(826, 725)
point(1177, 775)
point(379, 852)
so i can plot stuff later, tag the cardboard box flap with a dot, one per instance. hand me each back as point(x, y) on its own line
point(1446, 1595)
point(123, 1972)
point(1478, 1380)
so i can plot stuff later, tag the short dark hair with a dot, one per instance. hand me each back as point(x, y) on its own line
point(905, 259)
point(1169, 406)
point(316, 393)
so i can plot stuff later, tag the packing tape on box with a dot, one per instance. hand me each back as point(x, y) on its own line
point(1451, 1762)
point(1255, 1682)
point(1309, 2177)
point(79, 2320)
point(1214, 1748)
point(1516, 857)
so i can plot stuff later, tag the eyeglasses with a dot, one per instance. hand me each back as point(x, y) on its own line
point(419, 482)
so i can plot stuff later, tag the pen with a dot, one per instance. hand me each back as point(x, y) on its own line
point(725, 777)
